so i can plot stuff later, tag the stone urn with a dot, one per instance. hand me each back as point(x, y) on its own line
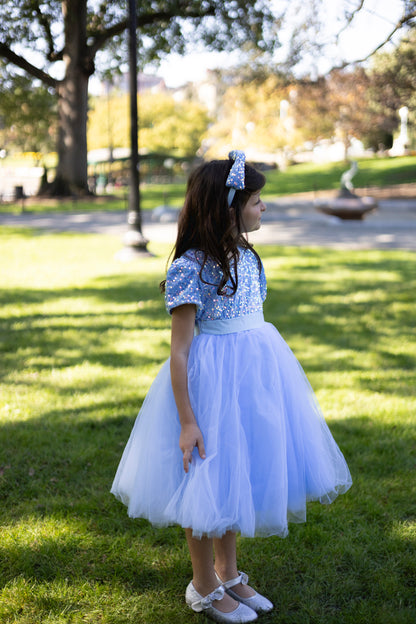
point(347, 205)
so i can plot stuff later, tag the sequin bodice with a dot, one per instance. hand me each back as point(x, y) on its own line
point(184, 285)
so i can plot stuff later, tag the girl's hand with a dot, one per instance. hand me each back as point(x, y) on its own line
point(190, 438)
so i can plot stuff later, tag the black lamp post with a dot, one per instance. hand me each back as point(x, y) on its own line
point(134, 241)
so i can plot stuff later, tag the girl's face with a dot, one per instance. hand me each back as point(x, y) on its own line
point(251, 213)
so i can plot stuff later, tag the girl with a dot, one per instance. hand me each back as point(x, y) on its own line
point(230, 437)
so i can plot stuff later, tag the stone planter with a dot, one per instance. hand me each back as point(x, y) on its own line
point(348, 207)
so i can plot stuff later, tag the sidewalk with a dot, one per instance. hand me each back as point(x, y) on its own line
point(287, 221)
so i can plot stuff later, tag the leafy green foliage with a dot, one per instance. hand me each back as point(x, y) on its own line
point(77, 31)
point(27, 112)
point(250, 117)
point(393, 81)
point(226, 25)
point(166, 126)
point(108, 121)
point(173, 127)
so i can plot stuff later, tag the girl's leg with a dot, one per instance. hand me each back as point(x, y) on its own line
point(204, 579)
point(226, 556)
point(226, 563)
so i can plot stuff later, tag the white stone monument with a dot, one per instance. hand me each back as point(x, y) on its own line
point(401, 142)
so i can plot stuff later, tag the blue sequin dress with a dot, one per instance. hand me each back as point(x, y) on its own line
point(268, 448)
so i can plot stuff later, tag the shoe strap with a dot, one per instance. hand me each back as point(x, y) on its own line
point(241, 578)
point(206, 601)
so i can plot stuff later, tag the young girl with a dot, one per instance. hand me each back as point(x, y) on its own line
point(230, 437)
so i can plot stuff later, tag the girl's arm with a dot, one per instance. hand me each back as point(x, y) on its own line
point(183, 322)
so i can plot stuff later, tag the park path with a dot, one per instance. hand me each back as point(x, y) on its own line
point(287, 221)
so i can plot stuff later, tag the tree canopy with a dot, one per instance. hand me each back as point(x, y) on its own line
point(62, 43)
point(166, 126)
point(393, 81)
point(57, 43)
point(27, 114)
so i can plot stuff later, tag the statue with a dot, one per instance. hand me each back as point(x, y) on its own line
point(347, 205)
point(401, 142)
point(347, 187)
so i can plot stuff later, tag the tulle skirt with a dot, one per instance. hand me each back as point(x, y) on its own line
point(268, 448)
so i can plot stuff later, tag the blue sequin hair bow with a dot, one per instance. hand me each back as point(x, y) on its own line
point(236, 177)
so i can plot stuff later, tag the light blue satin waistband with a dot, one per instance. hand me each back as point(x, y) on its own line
point(230, 326)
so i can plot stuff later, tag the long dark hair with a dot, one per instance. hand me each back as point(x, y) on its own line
point(208, 224)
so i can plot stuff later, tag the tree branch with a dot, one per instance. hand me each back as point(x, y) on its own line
point(19, 61)
point(350, 18)
point(101, 37)
point(402, 22)
point(48, 35)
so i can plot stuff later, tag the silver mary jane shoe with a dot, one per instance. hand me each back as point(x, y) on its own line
point(200, 603)
point(257, 603)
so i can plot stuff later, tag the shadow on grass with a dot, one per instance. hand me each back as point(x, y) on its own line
point(365, 312)
point(101, 315)
point(353, 562)
point(353, 554)
point(307, 306)
point(110, 288)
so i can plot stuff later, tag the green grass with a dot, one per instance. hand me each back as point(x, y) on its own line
point(377, 172)
point(151, 196)
point(303, 178)
point(82, 338)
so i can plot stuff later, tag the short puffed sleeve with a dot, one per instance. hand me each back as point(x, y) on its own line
point(183, 284)
point(263, 283)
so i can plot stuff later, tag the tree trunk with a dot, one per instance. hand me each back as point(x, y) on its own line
point(71, 173)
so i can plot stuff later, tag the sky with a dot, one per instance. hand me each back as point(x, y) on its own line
point(368, 29)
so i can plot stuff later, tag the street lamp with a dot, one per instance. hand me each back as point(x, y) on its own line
point(134, 242)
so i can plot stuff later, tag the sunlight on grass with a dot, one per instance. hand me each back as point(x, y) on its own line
point(405, 530)
point(83, 336)
point(301, 178)
point(310, 177)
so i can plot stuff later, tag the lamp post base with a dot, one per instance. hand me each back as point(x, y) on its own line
point(135, 246)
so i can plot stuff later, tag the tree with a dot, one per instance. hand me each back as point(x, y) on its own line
point(166, 126)
point(251, 116)
point(393, 82)
point(406, 21)
point(318, 28)
point(108, 121)
point(342, 105)
point(27, 113)
point(63, 37)
point(336, 105)
point(171, 127)
point(347, 101)
point(310, 109)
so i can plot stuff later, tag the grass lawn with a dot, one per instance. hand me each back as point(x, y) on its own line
point(296, 179)
point(151, 196)
point(371, 172)
point(82, 337)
